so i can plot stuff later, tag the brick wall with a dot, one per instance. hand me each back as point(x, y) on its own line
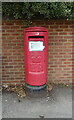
point(60, 50)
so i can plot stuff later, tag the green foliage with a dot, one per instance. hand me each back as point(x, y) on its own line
point(38, 10)
point(0, 8)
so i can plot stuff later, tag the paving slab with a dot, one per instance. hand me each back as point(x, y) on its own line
point(57, 104)
point(0, 105)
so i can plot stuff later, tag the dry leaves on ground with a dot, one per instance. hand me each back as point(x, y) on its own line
point(49, 86)
point(19, 90)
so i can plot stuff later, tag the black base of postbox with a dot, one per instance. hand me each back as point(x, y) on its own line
point(36, 91)
point(35, 87)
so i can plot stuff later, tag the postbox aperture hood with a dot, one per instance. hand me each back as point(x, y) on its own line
point(42, 29)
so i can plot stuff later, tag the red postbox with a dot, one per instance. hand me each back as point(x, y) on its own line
point(36, 55)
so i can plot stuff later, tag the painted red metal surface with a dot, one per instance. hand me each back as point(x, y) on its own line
point(36, 61)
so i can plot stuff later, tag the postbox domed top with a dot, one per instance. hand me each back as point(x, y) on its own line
point(43, 29)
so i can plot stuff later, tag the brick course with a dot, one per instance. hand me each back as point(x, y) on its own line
point(60, 50)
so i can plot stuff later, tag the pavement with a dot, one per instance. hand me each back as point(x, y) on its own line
point(57, 104)
point(0, 105)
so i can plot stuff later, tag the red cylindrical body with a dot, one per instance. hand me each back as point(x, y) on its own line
point(36, 55)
